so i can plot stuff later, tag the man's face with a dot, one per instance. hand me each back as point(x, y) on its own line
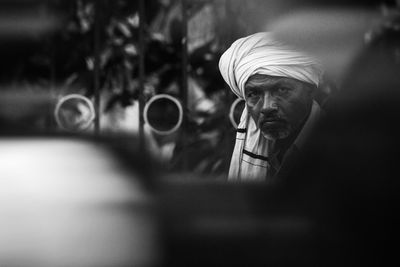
point(278, 105)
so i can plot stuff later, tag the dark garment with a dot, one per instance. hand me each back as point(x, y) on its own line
point(279, 170)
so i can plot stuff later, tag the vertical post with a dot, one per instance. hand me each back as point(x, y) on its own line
point(96, 69)
point(230, 97)
point(184, 86)
point(141, 73)
point(51, 125)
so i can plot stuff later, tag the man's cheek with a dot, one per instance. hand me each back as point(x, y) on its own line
point(253, 113)
point(296, 111)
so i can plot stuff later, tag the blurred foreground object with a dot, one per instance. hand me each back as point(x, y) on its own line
point(333, 31)
point(70, 202)
point(350, 176)
point(209, 223)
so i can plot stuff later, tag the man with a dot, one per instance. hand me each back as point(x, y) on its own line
point(278, 86)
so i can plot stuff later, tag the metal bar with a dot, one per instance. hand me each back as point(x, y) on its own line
point(96, 69)
point(230, 97)
point(51, 120)
point(52, 124)
point(184, 86)
point(141, 72)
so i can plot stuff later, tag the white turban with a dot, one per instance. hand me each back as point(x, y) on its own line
point(260, 53)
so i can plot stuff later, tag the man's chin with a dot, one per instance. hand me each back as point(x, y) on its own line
point(275, 135)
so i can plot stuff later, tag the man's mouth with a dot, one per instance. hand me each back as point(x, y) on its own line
point(272, 124)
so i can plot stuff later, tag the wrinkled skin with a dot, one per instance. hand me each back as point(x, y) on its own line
point(278, 105)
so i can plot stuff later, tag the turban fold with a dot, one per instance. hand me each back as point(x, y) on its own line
point(260, 53)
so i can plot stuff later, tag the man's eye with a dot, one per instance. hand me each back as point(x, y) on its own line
point(283, 90)
point(251, 94)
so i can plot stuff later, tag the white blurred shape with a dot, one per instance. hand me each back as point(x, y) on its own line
point(68, 203)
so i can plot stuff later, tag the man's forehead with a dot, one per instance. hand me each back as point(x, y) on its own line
point(261, 80)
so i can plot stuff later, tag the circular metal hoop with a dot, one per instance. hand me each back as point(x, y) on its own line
point(69, 97)
point(172, 99)
point(232, 111)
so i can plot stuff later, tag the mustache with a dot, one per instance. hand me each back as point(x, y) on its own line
point(271, 116)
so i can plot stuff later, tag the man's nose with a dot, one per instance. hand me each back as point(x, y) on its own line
point(269, 103)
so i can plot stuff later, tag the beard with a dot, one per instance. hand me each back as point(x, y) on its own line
point(275, 130)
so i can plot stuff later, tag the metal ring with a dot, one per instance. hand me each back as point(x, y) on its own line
point(232, 110)
point(175, 101)
point(72, 96)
